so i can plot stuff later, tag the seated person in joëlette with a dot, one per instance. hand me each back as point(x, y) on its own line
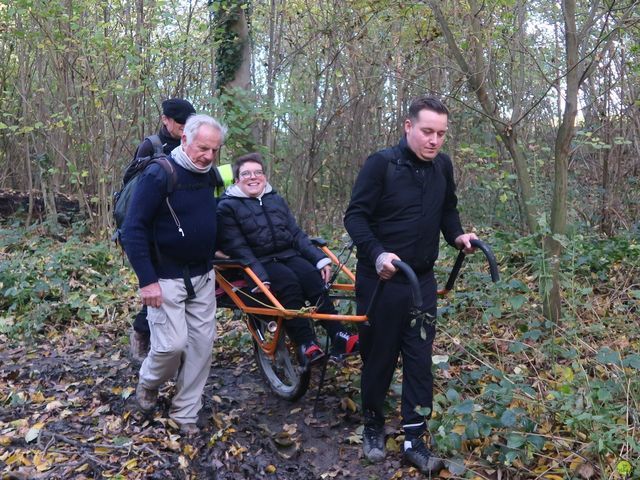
point(256, 225)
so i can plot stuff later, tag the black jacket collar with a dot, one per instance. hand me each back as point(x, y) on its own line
point(167, 140)
point(410, 155)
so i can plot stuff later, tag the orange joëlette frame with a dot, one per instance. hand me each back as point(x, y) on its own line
point(276, 309)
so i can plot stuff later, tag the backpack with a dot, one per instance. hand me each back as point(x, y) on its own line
point(131, 177)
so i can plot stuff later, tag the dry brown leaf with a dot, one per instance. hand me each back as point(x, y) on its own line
point(586, 471)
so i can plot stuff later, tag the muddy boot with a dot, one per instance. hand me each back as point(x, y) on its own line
point(146, 398)
point(189, 429)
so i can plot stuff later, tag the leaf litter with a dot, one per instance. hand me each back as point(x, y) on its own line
point(68, 411)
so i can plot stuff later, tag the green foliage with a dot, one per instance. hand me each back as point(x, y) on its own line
point(490, 197)
point(239, 112)
point(226, 14)
point(46, 283)
point(511, 388)
point(515, 388)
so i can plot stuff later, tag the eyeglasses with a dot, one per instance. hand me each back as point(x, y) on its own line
point(248, 174)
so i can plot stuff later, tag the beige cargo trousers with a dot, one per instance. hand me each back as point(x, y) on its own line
point(182, 335)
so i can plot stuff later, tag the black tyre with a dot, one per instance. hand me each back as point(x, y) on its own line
point(285, 376)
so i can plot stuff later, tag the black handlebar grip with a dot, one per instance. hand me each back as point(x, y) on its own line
point(413, 281)
point(491, 259)
point(488, 253)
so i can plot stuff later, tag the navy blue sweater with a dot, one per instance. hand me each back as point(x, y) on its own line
point(149, 219)
point(403, 208)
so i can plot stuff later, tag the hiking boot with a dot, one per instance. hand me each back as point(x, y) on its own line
point(138, 345)
point(189, 429)
point(146, 398)
point(373, 443)
point(345, 344)
point(418, 455)
point(310, 353)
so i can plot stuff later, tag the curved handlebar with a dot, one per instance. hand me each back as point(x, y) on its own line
point(491, 259)
point(413, 282)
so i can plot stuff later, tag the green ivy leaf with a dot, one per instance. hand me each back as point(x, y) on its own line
point(517, 301)
point(608, 356)
point(452, 395)
point(465, 408)
point(515, 440)
point(508, 418)
point(456, 466)
point(121, 441)
point(632, 361)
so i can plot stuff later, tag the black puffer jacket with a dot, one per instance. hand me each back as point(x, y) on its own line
point(261, 230)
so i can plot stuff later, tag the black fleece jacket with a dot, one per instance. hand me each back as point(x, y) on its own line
point(400, 204)
point(150, 227)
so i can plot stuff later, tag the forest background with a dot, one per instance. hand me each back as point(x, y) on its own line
point(544, 134)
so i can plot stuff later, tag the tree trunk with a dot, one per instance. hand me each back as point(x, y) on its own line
point(552, 297)
point(242, 77)
point(24, 91)
point(273, 54)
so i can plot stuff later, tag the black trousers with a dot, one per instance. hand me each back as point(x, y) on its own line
point(293, 281)
point(388, 335)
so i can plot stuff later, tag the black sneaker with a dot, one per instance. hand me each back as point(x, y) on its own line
point(373, 443)
point(345, 344)
point(420, 457)
point(310, 353)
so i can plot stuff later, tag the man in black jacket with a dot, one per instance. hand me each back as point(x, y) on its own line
point(403, 198)
point(175, 112)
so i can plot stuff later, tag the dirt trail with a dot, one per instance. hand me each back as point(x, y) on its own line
point(67, 410)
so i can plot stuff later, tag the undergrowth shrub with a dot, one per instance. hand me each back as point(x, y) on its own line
point(49, 283)
point(515, 389)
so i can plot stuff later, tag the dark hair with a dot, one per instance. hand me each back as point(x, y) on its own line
point(426, 103)
point(249, 157)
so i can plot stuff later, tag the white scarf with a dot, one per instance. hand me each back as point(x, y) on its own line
point(185, 162)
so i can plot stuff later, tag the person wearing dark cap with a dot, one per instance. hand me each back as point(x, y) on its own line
point(175, 112)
